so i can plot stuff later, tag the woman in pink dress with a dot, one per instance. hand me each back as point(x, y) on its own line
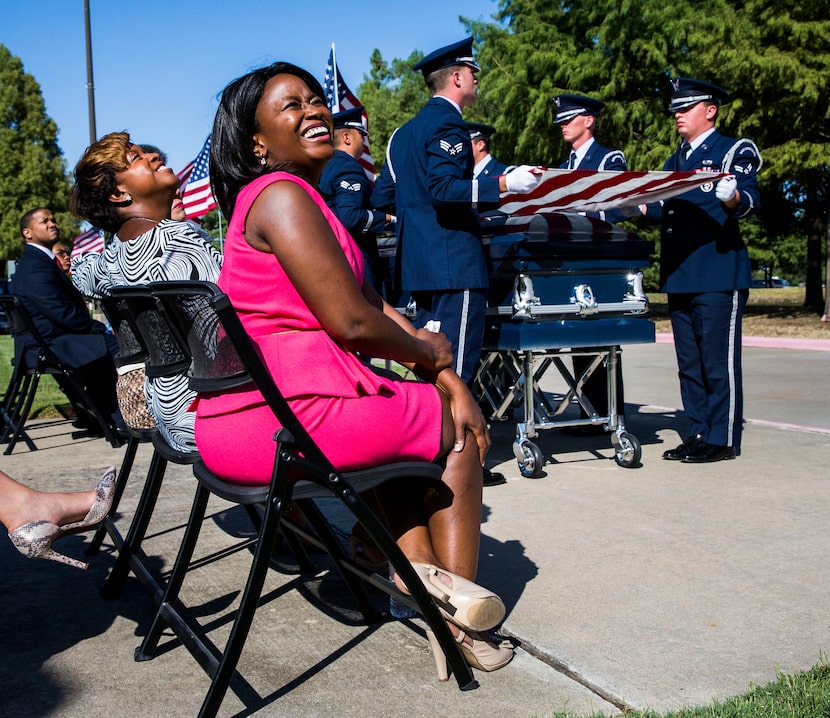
point(295, 278)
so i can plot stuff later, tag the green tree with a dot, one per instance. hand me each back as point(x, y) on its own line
point(32, 169)
point(392, 94)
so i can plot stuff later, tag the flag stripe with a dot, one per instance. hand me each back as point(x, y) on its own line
point(90, 241)
point(197, 197)
point(591, 191)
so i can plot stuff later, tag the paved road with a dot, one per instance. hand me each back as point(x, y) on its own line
point(657, 587)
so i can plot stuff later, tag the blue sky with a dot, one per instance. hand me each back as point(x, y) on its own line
point(159, 64)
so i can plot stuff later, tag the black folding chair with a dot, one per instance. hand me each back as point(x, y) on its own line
point(20, 392)
point(223, 358)
point(131, 351)
point(49, 363)
point(133, 317)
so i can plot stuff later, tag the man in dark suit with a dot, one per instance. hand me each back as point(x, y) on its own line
point(577, 116)
point(348, 191)
point(485, 164)
point(61, 316)
point(705, 270)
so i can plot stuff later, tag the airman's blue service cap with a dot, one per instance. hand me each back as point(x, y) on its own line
point(352, 118)
point(459, 53)
point(687, 92)
point(478, 129)
point(569, 106)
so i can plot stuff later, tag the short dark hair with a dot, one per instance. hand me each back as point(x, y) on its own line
point(232, 161)
point(95, 181)
point(437, 80)
point(26, 219)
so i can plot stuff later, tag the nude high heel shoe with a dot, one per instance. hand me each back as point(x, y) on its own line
point(464, 603)
point(481, 654)
point(35, 539)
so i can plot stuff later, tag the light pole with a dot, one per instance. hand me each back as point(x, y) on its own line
point(90, 85)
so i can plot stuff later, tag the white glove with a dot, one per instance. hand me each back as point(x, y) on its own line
point(525, 178)
point(725, 189)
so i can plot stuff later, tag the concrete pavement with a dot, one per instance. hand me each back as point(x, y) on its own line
point(656, 587)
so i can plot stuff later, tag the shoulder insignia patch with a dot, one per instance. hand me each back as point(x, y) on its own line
point(356, 187)
point(451, 150)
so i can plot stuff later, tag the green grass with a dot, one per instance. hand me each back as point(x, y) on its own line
point(50, 402)
point(800, 695)
point(776, 312)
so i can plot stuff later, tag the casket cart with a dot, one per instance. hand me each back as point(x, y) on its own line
point(561, 284)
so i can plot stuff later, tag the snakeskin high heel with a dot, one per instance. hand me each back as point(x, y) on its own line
point(35, 539)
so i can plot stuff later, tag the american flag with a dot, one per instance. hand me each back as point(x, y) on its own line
point(339, 97)
point(196, 195)
point(90, 241)
point(593, 190)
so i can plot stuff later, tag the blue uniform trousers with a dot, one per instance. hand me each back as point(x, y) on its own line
point(462, 316)
point(707, 341)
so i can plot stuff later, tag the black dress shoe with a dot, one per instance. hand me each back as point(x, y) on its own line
point(705, 453)
point(493, 478)
point(679, 453)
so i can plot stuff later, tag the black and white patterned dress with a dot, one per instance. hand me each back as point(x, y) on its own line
point(171, 250)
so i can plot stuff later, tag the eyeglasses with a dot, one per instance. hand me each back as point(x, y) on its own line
point(61, 253)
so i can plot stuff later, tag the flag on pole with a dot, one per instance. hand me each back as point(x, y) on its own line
point(196, 195)
point(339, 97)
point(591, 190)
point(90, 241)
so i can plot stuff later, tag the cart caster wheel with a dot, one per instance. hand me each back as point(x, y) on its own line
point(627, 450)
point(530, 459)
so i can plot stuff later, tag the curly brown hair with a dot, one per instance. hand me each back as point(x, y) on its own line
point(95, 181)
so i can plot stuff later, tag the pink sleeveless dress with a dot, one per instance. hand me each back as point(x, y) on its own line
point(357, 415)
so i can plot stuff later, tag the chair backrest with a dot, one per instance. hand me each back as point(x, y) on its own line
point(165, 353)
point(22, 322)
point(11, 306)
point(131, 348)
point(223, 354)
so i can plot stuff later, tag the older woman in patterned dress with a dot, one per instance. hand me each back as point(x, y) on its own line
point(124, 189)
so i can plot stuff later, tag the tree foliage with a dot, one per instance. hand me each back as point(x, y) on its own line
point(391, 95)
point(772, 55)
point(32, 169)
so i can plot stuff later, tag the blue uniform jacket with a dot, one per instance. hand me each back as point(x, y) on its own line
point(348, 192)
point(59, 313)
point(601, 158)
point(492, 169)
point(701, 249)
point(427, 182)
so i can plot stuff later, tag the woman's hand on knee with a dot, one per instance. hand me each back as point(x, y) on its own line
point(466, 414)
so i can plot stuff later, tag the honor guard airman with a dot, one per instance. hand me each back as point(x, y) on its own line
point(427, 181)
point(485, 164)
point(577, 116)
point(705, 270)
point(348, 191)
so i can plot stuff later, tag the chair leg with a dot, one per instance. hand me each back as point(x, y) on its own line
point(167, 614)
point(108, 527)
point(70, 386)
point(333, 547)
point(138, 528)
point(10, 399)
point(247, 608)
point(20, 413)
